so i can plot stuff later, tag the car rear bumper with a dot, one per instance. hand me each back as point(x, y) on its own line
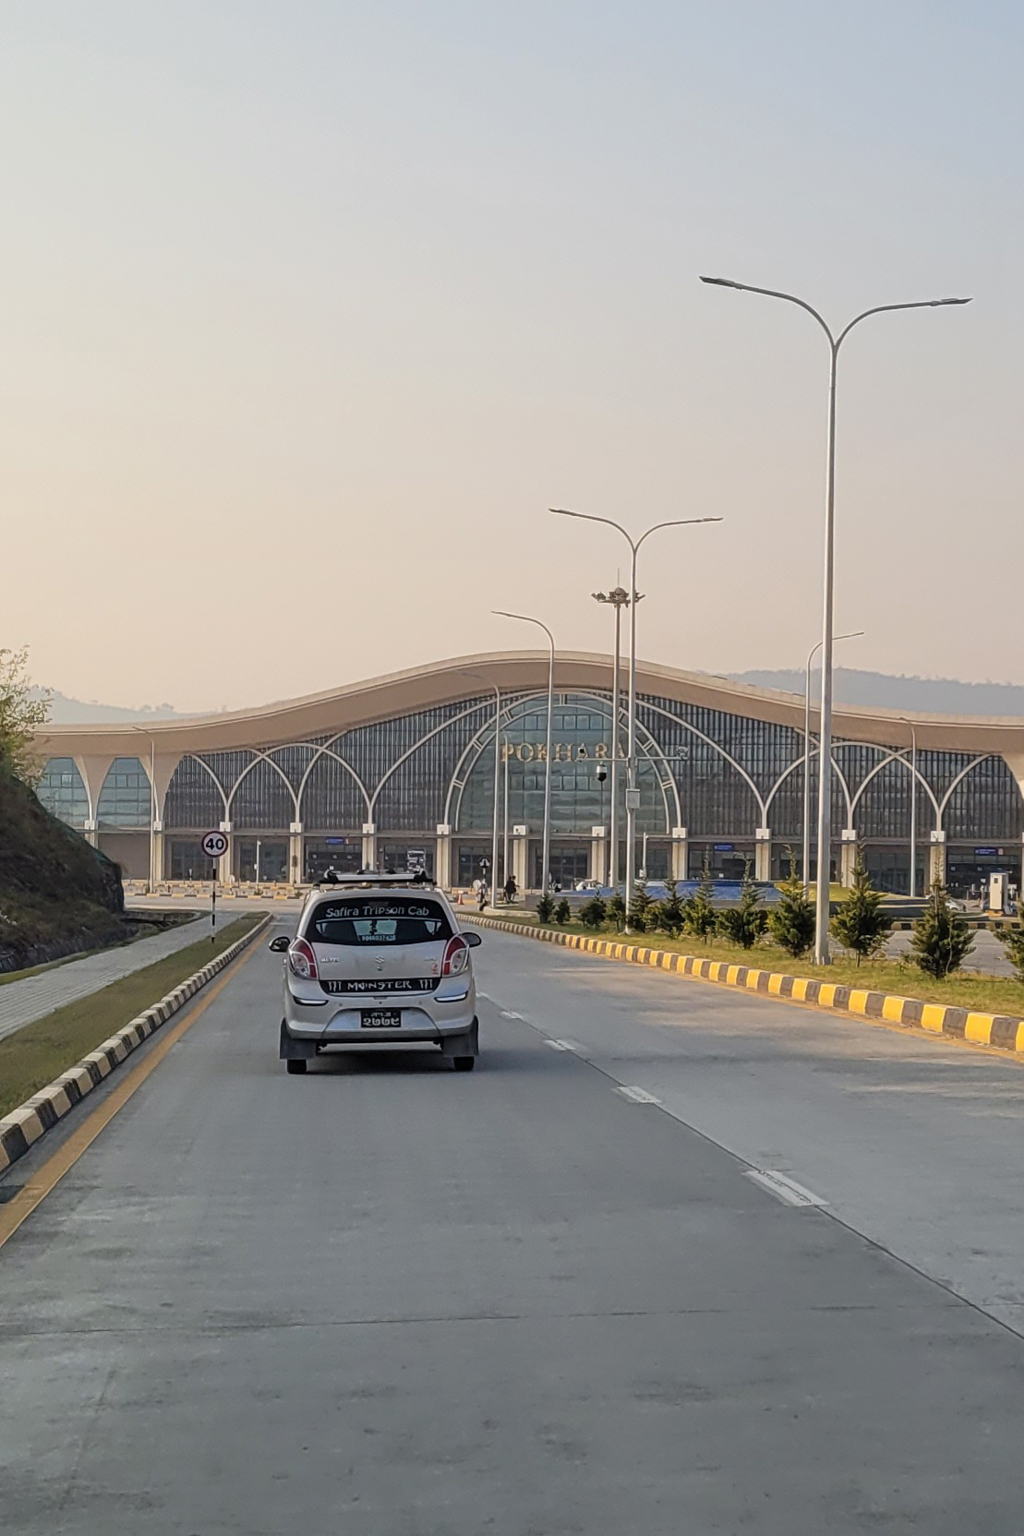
point(454, 1040)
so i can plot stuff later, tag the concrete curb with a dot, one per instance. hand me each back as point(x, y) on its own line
point(23, 1126)
point(995, 1029)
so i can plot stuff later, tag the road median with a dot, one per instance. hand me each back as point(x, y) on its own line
point(27, 1121)
point(1001, 1031)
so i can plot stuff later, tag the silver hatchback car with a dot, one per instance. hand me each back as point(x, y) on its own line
point(378, 960)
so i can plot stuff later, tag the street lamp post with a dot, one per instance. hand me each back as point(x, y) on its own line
point(632, 790)
point(913, 805)
point(152, 802)
point(497, 742)
point(821, 949)
point(807, 758)
point(619, 598)
point(524, 618)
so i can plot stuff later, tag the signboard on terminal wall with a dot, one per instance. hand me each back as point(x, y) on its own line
point(571, 752)
point(724, 847)
point(988, 853)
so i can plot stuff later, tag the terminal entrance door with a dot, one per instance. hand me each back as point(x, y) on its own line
point(569, 863)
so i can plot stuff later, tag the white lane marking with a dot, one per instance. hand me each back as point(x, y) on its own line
point(507, 1013)
point(566, 1045)
point(785, 1189)
point(637, 1095)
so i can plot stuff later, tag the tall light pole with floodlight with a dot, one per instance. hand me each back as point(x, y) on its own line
point(632, 789)
point(821, 949)
point(619, 598)
point(524, 618)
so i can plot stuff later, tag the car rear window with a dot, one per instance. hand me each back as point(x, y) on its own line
point(378, 920)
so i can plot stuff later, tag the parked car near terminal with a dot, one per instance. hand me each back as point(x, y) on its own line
point(378, 960)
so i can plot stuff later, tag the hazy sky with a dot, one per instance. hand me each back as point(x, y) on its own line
point(310, 310)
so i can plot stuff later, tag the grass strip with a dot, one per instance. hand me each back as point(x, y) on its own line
point(34, 1055)
point(985, 994)
point(145, 930)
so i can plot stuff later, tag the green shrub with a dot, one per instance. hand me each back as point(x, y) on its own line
point(563, 912)
point(669, 913)
point(791, 923)
point(593, 913)
point(941, 940)
point(745, 923)
point(641, 909)
point(1012, 940)
point(860, 924)
point(546, 907)
point(699, 916)
point(617, 911)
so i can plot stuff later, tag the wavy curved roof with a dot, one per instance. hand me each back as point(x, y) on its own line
point(441, 682)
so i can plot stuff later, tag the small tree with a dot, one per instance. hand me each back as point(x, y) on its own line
point(593, 913)
point(641, 908)
point(745, 923)
point(546, 907)
point(699, 916)
point(941, 940)
point(617, 911)
point(563, 913)
point(861, 924)
point(22, 710)
point(1012, 940)
point(791, 923)
point(669, 915)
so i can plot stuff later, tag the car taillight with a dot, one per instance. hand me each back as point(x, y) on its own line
point(456, 956)
point(302, 960)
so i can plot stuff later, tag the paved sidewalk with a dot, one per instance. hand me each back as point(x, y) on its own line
point(23, 1001)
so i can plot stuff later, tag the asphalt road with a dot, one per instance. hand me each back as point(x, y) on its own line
point(388, 1299)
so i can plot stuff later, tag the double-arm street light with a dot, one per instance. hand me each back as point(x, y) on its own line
point(913, 805)
point(821, 949)
point(524, 618)
point(632, 789)
point(152, 802)
point(467, 672)
point(807, 756)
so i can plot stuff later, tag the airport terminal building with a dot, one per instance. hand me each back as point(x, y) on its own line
point(404, 768)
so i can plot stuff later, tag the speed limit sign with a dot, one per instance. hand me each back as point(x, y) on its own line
point(215, 845)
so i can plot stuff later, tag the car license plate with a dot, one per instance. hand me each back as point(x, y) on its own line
point(380, 1018)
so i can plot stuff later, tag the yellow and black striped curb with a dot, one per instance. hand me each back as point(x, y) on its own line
point(24, 1125)
point(994, 1029)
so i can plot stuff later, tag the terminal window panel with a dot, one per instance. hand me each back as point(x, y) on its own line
point(125, 799)
point(61, 789)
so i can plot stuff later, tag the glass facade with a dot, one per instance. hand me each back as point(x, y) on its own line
point(62, 790)
point(125, 799)
point(716, 774)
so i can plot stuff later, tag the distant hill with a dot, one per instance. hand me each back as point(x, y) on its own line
point(65, 711)
point(926, 695)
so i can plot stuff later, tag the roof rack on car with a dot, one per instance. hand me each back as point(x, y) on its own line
point(378, 877)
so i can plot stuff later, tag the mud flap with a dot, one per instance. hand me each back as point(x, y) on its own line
point(463, 1045)
point(295, 1050)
